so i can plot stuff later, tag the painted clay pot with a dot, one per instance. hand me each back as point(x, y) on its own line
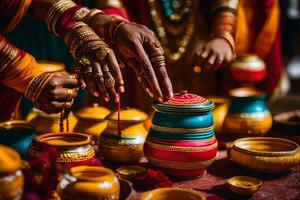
point(89, 182)
point(248, 114)
point(219, 113)
point(11, 177)
point(74, 148)
point(91, 120)
point(181, 140)
point(248, 68)
point(126, 146)
point(265, 154)
point(18, 135)
point(49, 123)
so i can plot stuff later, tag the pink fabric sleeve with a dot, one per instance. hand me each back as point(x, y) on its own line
point(119, 12)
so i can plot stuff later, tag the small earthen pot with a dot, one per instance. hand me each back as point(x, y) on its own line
point(248, 68)
point(11, 177)
point(248, 114)
point(74, 148)
point(91, 120)
point(125, 146)
point(89, 182)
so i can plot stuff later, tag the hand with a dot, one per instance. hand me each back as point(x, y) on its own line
point(215, 54)
point(142, 51)
point(58, 93)
point(95, 63)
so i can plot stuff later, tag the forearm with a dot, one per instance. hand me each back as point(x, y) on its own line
point(18, 67)
point(224, 20)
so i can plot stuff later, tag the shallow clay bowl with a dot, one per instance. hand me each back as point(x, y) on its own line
point(288, 122)
point(244, 185)
point(172, 193)
point(265, 154)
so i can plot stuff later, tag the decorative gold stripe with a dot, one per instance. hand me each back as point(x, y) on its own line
point(180, 130)
point(180, 165)
point(170, 142)
point(180, 149)
point(67, 156)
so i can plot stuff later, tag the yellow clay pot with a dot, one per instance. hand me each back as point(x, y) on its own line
point(89, 182)
point(11, 177)
point(91, 120)
point(219, 113)
point(46, 123)
point(172, 193)
point(128, 146)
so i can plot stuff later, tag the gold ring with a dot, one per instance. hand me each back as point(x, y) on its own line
point(122, 82)
point(97, 75)
point(105, 68)
point(67, 105)
point(73, 76)
point(110, 82)
point(157, 43)
point(84, 61)
point(69, 94)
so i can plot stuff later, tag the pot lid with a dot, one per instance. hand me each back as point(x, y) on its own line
point(15, 125)
point(185, 102)
point(129, 115)
point(9, 160)
point(94, 112)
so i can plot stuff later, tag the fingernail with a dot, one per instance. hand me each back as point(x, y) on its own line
point(96, 94)
point(160, 99)
point(121, 89)
point(149, 92)
point(106, 99)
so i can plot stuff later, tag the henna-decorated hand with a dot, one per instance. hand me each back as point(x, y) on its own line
point(58, 93)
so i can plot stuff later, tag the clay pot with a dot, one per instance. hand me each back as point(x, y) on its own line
point(91, 120)
point(248, 114)
point(248, 68)
point(89, 182)
point(49, 123)
point(18, 135)
point(74, 148)
point(126, 146)
point(220, 111)
point(172, 193)
point(181, 140)
point(11, 177)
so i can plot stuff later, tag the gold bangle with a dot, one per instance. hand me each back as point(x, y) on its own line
point(89, 17)
point(81, 13)
point(228, 37)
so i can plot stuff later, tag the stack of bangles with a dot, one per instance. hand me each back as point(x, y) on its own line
point(224, 21)
point(8, 53)
point(36, 86)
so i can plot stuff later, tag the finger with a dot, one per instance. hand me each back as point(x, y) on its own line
point(148, 70)
point(91, 85)
point(99, 79)
point(77, 69)
point(210, 61)
point(109, 82)
point(115, 71)
point(140, 76)
point(62, 94)
point(218, 62)
point(200, 57)
point(158, 63)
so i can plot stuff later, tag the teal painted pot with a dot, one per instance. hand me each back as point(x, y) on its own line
point(181, 140)
point(248, 114)
point(18, 135)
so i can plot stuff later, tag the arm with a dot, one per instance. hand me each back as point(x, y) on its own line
point(219, 50)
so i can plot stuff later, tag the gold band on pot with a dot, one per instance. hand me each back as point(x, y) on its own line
point(180, 165)
point(180, 149)
point(180, 130)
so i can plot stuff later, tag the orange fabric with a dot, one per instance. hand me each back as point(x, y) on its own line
point(20, 72)
point(248, 41)
point(24, 6)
